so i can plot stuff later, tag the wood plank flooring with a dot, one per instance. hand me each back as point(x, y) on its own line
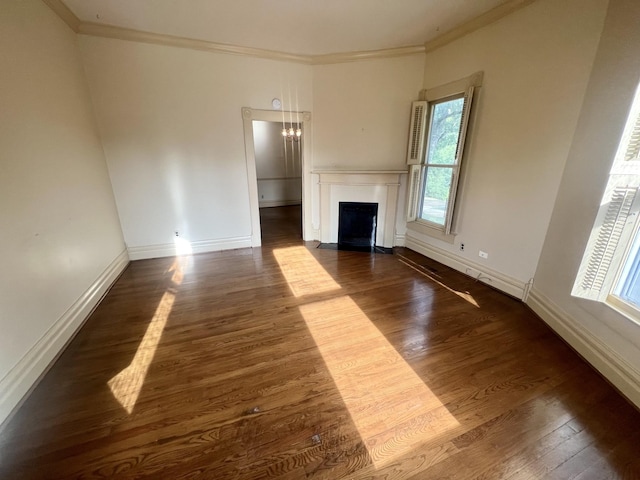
point(292, 362)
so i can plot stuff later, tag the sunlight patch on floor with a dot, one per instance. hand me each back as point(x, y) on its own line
point(302, 271)
point(126, 385)
point(463, 295)
point(392, 408)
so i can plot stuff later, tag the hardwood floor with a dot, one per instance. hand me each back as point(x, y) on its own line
point(293, 362)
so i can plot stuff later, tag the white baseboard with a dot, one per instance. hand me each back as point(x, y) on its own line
point(498, 280)
point(22, 378)
point(315, 235)
point(202, 246)
point(278, 203)
point(604, 359)
point(399, 240)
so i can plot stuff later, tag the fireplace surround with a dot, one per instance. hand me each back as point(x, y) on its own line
point(364, 186)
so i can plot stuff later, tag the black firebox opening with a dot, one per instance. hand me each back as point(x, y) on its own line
point(357, 223)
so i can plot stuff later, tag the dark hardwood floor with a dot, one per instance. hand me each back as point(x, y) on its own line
point(293, 362)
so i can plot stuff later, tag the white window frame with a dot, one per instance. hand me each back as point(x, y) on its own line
point(421, 114)
point(615, 237)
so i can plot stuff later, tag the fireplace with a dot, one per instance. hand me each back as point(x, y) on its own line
point(379, 187)
point(357, 224)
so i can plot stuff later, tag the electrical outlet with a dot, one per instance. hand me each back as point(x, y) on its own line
point(483, 254)
point(462, 246)
point(177, 233)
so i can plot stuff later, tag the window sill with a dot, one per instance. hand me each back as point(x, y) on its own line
point(625, 309)
point(433, 232)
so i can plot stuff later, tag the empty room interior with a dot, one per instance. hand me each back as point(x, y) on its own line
point(324, 240)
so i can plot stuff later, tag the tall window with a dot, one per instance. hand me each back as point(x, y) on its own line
point(610, 268)
point(438, 132)
point(441, 162)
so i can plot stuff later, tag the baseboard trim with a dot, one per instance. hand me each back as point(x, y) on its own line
point(278, 203)
point(25, 375)
point(493, 278)
point(604, 359)
point(399, 240)
point(202, 246)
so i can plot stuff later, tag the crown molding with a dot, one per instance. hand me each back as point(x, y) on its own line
point(366, 55)
point(477, 23)
point(64, 13)
point(111, 31)
point(120, 33)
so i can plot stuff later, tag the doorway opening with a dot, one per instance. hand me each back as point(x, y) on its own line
point(279, 178)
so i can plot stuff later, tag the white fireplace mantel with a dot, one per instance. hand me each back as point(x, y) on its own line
point(375, 186)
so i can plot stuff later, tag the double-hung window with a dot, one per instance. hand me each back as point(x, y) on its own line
point(610, 268)
point(439, 124)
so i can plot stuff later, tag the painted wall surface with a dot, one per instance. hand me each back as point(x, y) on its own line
point(536, 65)
point(278, 164)
point(171, 124)
point(60, 227)
point(613, 82)
point(361, 112)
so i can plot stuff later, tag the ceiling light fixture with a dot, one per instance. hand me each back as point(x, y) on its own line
point(291, 133)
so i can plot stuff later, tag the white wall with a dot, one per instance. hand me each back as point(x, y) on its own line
point(171, 124)
point(536, 65)
point(278, 164)
point(60, 233)
point(606, 338)
point(361, 112)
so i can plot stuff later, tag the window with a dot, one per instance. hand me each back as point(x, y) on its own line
point(439, 125)
point(610, 268)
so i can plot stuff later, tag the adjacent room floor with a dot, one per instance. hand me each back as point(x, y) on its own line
point(293, 362)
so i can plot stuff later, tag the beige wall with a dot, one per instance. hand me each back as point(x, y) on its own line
point(171, 124)
point(361, 112)
point(608, 339)
point(60, 228)
point(536, 65)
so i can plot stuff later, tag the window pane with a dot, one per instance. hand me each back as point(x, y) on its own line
point(629, 286)
point(444, 132)
point(437, 186)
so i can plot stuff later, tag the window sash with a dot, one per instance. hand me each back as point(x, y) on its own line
point(454, 176)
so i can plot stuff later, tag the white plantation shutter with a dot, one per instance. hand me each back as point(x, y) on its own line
point(607, 245)
point(417, 127)
point(633, 147)
point(608, 239)
point(413, 192)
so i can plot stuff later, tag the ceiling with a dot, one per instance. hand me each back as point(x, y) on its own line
point(305, 27)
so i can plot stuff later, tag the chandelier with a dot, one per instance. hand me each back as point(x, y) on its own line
point(292, 134)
